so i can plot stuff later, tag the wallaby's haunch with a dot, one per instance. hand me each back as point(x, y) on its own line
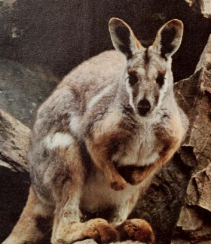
point(100, 137)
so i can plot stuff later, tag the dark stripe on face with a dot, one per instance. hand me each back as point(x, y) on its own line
point(128, 111)
point(129, 122)
point(146, 57)
point(133, 79)
point(160, 79)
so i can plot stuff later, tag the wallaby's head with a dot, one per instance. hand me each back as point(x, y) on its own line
point(148, 77)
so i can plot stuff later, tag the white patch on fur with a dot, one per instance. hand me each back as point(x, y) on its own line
point(71, 209)
point(58, 140)
point(75, 124)
point(140, 151)
point(130, 92)
point(168, 81)
point(97, 98)
point(122, 213)
point(151, 159)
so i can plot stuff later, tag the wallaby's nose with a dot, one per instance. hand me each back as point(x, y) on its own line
point(143, 107)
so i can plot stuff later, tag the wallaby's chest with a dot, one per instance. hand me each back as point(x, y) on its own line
point(141, 150)
point(131, 142)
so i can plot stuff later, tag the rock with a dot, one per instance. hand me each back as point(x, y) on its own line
point(202, 6)
point(194, 224)
point(199, 189)
point(205, 59)
point(14, 180)
point(22, 89)
point(14, 141)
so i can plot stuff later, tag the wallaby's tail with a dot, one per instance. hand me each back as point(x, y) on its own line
point(34, 223)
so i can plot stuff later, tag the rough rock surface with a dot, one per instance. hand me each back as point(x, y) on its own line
point(194, 225)
point(22, 89)
point(202, 6)
point(14, 140)
point(205, 59)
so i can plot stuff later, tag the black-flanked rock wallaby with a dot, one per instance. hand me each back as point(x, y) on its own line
point(100, 137)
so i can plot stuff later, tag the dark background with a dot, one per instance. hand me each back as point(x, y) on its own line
point(59, 35)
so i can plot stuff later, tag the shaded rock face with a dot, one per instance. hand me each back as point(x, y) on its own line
point(58, 35)
point(194, 225)
point(22, 90)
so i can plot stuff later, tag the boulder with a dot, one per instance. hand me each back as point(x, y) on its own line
point(22, 89)
point(14, 179)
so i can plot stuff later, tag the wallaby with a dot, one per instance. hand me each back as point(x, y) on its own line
point(100, 137)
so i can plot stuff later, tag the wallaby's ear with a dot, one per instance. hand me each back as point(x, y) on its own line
point(169, 38)
point(123, 38)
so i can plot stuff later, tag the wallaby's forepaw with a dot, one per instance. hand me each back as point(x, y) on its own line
point(118, 183)
point(136, 230)
point(97, 229)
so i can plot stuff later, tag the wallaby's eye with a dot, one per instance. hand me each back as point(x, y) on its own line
point(160, 80)
point(133, 79)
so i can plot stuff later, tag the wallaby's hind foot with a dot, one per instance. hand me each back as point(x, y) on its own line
point(136, 230)
point(33, 225)
point(106, 233)
point(97, 229)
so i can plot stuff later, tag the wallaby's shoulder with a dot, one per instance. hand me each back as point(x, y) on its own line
point(79, 92)
point(96, 68)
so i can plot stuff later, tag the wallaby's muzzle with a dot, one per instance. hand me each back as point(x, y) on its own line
point(144, 107)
